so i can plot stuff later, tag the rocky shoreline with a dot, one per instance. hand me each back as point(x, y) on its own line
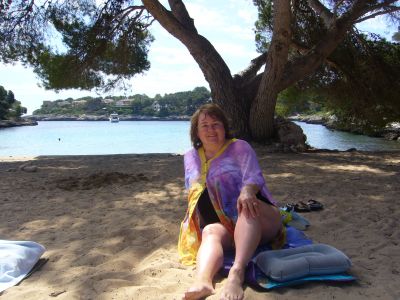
point(391, 132)
point(16, 123)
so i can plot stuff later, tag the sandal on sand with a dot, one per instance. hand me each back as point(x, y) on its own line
point(314, 205)
point(301, 207)
point(311, 205)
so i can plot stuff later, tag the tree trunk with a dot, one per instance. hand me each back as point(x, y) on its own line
point(263, 107)
point(232, 102)
point(224, 92)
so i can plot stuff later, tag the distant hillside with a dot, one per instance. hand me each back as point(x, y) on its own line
point(177, 104)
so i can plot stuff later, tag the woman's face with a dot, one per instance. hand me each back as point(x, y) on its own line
point(211, 132)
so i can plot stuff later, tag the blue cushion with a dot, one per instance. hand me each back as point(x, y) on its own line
point(288, 264)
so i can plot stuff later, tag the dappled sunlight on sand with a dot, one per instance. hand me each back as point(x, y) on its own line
point(283, 175)
point(110, 224)
point(357, 168)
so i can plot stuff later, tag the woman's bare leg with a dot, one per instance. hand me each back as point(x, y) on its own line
point(210, 258)
point(248, 234)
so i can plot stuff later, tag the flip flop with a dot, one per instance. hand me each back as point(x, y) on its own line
point(301, 207)
point(314, 205)
point(288, 207)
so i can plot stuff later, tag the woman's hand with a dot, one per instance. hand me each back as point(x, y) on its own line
point(247, 202)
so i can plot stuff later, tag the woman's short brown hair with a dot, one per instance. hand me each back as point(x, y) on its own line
point(214, 111)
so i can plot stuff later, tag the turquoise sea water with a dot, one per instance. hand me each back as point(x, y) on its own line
point(101, 137)
point(319, 136)
point(95, 137)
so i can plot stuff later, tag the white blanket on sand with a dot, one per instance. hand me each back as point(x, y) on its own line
point(17, 258)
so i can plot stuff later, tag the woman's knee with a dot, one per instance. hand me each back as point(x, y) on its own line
point(268, 223)
point(215, 231)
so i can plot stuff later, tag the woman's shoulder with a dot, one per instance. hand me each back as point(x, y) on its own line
point(191, 151)
point(191, 154)
point(239, 144)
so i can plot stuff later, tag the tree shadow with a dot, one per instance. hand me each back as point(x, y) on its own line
point(110, 223)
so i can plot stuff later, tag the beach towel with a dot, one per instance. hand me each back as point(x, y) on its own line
point(291, 218)
point(17, 258)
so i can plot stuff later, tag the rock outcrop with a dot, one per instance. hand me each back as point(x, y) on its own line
point(15, 123)
point(290, 136)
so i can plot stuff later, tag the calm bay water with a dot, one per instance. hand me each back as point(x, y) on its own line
point(100, 137)
point(320, 137)
point(95, 137)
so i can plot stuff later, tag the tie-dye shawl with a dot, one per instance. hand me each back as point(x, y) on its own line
point(234, 166)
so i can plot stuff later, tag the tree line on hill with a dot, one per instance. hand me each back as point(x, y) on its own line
point(9, 107)
point(175, 104)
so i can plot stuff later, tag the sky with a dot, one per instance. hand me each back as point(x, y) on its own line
point(228, 25)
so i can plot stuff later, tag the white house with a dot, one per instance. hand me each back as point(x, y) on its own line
point(123, 103)
point(63, 103)
point(78, 103)
point(107, 101)
point(156, 106)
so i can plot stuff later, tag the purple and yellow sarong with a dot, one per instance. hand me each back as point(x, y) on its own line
point(233, 167)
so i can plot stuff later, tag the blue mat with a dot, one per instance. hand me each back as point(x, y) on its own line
point(256, 278)
point(269, 284)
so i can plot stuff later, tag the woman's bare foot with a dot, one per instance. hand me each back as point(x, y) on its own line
point(199, 290)
point(233, 289)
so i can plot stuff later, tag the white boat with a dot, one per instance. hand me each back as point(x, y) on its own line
point(114, 118)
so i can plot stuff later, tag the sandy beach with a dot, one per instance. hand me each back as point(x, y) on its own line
point(110, 223)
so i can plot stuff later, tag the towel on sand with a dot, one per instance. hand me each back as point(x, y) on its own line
point(17, 258)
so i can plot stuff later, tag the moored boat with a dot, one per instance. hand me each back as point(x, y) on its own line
point(114, 118)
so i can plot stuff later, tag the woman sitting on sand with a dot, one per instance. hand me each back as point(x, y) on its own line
point(229, 205)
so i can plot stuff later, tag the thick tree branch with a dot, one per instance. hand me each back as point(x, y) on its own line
point(383, 12)
point(383, 4)
point(302, 66)
point(336, 6)
point(250, 72)
point(322, 11)
point(166, 19)
point(279, 47)
point(214, 68)
point(303, 50)
point(178, 9)
point(199, 47)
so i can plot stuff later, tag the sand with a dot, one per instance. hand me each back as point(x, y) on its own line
point(110, 223)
